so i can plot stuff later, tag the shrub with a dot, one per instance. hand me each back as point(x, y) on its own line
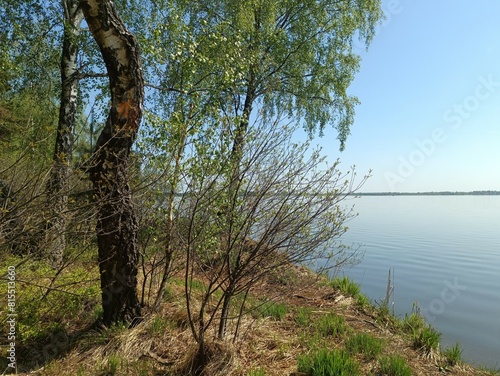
point(325, 362)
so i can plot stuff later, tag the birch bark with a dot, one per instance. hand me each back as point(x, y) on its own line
point(116, 223)
point(57, 189)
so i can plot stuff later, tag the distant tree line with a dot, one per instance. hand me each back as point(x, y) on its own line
point(440, 193)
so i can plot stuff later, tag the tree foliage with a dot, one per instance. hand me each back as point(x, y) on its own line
point(224, 190)
point(290, 57)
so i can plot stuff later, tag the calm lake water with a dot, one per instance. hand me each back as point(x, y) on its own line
point(445, 253)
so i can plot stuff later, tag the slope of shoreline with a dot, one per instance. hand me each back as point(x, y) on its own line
point(269, 343)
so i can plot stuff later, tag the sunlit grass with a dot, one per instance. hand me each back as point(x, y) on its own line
point(394, 365)
point(346, 286)
point(453, 354)
point(326, 362)
point(330, 325)
point(276, 311)
point(303, 316)
point(427, 339)
point(365, 344)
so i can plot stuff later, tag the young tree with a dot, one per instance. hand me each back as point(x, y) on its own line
point(116, 222)
point(287, 210)
point(57, 188)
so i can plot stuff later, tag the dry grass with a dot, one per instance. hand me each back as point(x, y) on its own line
point(265, 344)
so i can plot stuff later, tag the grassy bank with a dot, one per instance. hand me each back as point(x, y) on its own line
point(295, 323)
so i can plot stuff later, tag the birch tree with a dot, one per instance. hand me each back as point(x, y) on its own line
point(116, 221)
point(271, 57)
point(57, 189)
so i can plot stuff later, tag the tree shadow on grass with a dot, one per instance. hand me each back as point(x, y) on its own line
point(49, 346)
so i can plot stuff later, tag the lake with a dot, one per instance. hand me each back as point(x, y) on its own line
point(445, 254)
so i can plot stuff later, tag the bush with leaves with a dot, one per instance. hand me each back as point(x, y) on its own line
point(288, 209)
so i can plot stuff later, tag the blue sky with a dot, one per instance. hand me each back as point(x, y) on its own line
point(429, 87)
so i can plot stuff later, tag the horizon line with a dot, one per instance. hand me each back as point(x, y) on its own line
point(388, 193)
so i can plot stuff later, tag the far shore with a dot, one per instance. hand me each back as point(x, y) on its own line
point(441, 193)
